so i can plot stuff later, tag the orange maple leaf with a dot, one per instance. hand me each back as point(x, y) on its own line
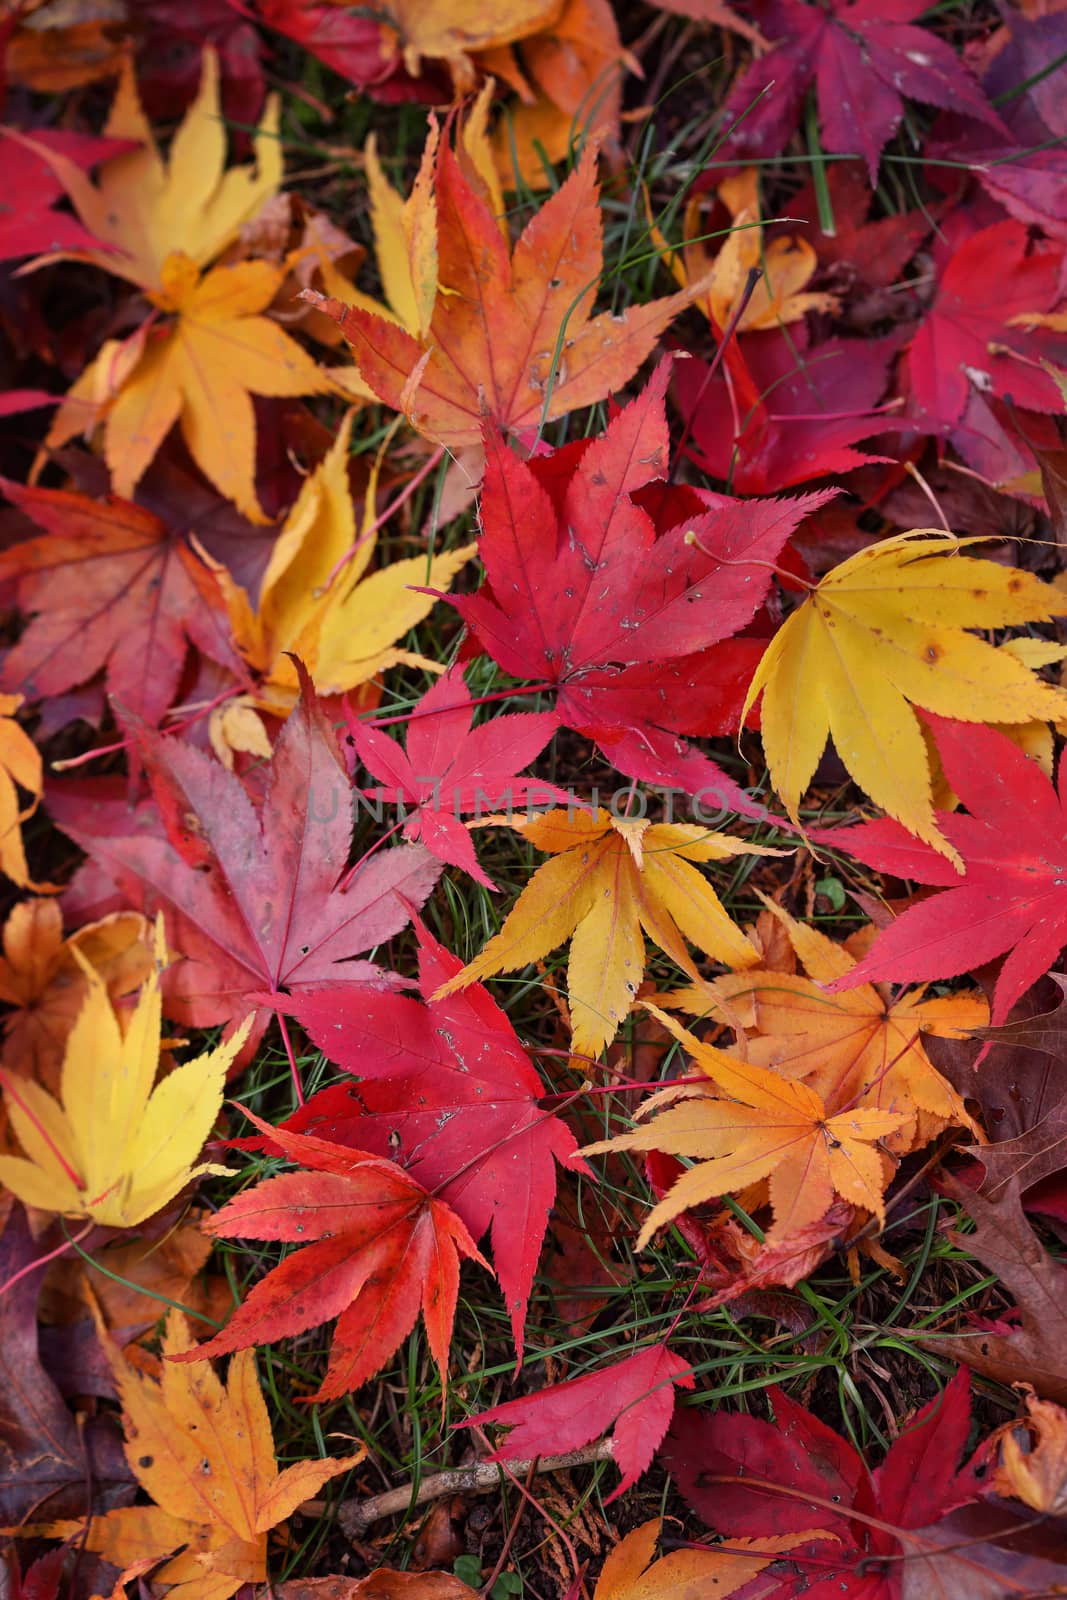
point(770, 1128)
point(512, 338)
point(855, 1048)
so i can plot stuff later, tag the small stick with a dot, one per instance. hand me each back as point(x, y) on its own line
point(481, 1477)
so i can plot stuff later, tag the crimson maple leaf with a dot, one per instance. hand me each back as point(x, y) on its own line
point(781, 411)
point(863, 57)
point(357, 45)
point(632, 629)
point(974, 340)
point(377, 1249)
point(450, 767)
point(1014, 895)
point(250, 892)
point(29, 190)
point(871, 252)
point(634, 1397)
point(110, 587)
point(744, 1476)
point(449, 1092)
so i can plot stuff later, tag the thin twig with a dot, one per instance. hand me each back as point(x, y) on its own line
point(481, 1477)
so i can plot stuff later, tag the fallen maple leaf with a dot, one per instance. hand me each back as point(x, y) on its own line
point(199, 370)
point(50, 49)
point(745, 1477)
point(339, 620)
point(783, 265)
point(863, 57)
point(629, 1573)
point(633, 1397)
point(204, 1453)
point(50, 1463)
point(975, 340)
point(855, 1048)
point(114, 1149)
point(250, 892)
point(109, 587)
point(610, 881)
point(568, 78)
point(20, 768)
point(512, 340)
point(28, 223)
point(770, 1128)
point(633, 631)
point(450, 767)
point(782, 410)
point(350, 43)
point(451, 31)
point(873, 251)
point(165, 222)
point(1012, 898)
point(881, 633)
point(449, 1094)
point(145, 208)
point(41, 978)
point(382, 1247)
point(1032, 1464)
point(1004, 1242)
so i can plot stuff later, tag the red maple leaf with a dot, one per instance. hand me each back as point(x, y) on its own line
point(357, 45)
point(745, 1477)
point(634, 1397)
point(29, 190)
point(251, 893)
point(171, 39)
point(1014, 895)
point(450, 767)
point(863, 57)
point(967, 349)
point(781, 411)
point(632, 628)
point(377, 1249)
point(871, 252)
point(449, 1092)
point(110, 588)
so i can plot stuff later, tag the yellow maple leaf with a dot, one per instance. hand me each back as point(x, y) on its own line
point(200, 366)
point(854, 1048)
point(609, 879)
point(771, 1128)
point(113, 1148)
point(20, 768)
point(146, 207)
point(629, 1573)
point(786, 265)
point(344, 630)
point(884, 632)
point(203, 1451)
point(199, 369)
